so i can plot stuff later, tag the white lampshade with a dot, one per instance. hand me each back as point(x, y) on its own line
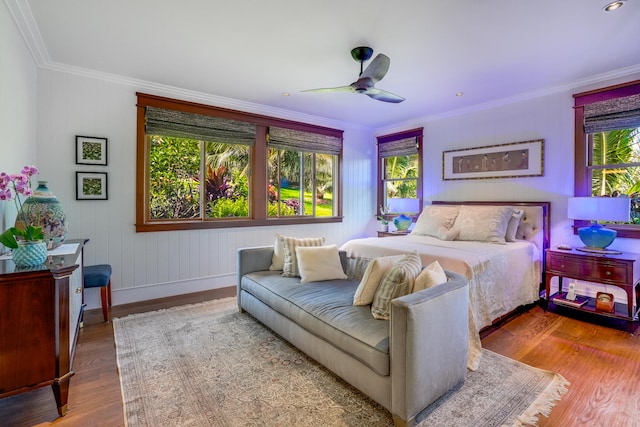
point(599, 208)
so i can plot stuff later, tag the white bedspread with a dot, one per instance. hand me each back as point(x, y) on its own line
point(501, 277)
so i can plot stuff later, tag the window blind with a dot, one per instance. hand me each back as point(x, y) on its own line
point(179, 124)
point(612, 114)
point(297, 140)
point(398, 147)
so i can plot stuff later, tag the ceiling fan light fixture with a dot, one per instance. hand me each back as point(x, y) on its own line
point(614, 5)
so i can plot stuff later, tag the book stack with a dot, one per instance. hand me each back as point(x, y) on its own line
point(562, 300)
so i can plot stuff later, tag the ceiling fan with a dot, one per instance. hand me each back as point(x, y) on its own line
point(369, 76)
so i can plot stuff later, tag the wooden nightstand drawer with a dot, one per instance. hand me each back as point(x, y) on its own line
point(608, 271)
point(581, 267)
point(566, 265)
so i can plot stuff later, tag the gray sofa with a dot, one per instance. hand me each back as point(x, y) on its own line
point(404, 364)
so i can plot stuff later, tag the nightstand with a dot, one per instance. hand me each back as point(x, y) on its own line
point(622, 271)
point(392, 233)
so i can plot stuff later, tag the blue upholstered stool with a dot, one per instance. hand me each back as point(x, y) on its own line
point(99, 276)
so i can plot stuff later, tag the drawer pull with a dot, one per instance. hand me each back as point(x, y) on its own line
point(78, 290)
point(607, 273)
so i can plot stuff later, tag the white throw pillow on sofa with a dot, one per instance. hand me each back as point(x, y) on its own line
point(376, 269)
point(430, 276)
point(319, 263)
point(289, 244)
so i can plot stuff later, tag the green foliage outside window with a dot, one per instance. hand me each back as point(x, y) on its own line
point(615, 166)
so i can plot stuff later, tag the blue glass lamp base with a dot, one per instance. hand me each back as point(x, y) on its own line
point(596, 236)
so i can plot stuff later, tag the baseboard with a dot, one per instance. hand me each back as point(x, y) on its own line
point(160, 290)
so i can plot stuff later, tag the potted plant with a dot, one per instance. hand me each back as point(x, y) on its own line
point(29, 248)
point(383, 225)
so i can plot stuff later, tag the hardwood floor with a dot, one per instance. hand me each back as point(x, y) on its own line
point(602, 365)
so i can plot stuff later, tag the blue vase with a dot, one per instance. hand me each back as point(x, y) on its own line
point(402, 222)
point(30, 254)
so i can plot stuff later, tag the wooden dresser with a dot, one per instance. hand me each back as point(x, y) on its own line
point(40, 313)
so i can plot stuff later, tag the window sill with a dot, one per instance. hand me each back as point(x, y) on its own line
point(229, 223)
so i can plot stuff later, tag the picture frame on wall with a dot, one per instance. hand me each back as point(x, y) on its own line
point(91, 150)
point(91, 186)
point(515, 159)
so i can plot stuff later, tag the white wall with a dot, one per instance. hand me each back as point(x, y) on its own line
point(18, 74)
point(158, 264)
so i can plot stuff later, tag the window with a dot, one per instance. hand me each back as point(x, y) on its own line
point(607, 148)
point(400, 172)
point(205, 167)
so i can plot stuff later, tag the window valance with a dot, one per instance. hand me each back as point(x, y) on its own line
point(398, 147)
point(612, 114)
point(178, 124)
point(297, 140)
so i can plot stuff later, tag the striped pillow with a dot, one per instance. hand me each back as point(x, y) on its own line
point(397, 282)
point(290, 266)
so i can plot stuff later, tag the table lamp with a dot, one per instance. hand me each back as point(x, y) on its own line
point(596, 237)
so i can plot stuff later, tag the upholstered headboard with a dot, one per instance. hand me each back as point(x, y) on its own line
point(534, 223)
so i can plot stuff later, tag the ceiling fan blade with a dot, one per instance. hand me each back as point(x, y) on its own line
point(377, 68)
point(383, 95)
point(332, 89)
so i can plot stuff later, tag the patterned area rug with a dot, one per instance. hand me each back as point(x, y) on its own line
point(209, 365)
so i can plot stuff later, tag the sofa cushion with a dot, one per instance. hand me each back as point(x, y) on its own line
point(430, 276)
point(326, 310)
point(373, 274)
point(319, 263)
point(397, 282)
point(289, 244)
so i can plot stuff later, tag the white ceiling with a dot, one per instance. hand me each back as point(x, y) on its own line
point(254, 50)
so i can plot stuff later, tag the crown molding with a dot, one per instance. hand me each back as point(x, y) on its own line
point(26, 23)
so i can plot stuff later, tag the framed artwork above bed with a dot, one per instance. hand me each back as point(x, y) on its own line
point(516, 159)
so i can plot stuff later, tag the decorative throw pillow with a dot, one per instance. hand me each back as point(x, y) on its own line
point(289, 244)
point(397, 282)
point(433, 217)
point(514, 222)
point(318, 263)
point(277, 259)
point(483, 223)
point(376, 269)
point(430, 276)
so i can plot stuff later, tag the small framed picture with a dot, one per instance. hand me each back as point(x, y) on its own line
point(91, 186)
point(91, 150)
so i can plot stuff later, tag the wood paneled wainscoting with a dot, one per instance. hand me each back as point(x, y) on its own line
point(601, 363)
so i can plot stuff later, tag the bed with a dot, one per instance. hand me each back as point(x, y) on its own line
point(498, 246)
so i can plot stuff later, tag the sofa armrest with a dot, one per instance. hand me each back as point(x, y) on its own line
point(250, 260)
point(429, 345)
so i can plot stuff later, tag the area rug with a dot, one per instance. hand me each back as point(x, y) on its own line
point(208, 364)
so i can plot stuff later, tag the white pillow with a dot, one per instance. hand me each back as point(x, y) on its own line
point(375, 271)
point(319, 263)
point(430, 276)
point(277, 259)
point(483, 223)
point(289, 244)
point(514, 222)
point(434, 217)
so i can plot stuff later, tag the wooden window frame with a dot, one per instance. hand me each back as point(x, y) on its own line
point(418, 134)
point(582, 175)
point(258, 165)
